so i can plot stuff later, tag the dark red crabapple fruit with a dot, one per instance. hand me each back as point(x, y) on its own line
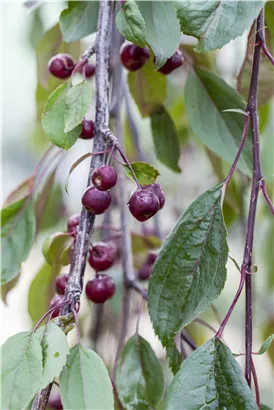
point(55, 301)
point(157, 190)
point(88, 69)
point(145, 271)
point(134, 57)
point(55, 402)
point(87, 130)
point(143, 204)
point(172, 63)
point(95, 201)
point(61, 65)
point(72, 223)
point(61, 283)
point(101, 256)
point(104, 177)
point(100, 288)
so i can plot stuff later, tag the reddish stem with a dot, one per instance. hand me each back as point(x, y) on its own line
point(230, 310)
point(256, 384)
point(267, 53)
point(262, 186)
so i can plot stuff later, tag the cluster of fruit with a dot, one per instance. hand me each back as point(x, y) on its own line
point(101, 257)
point(133, 58)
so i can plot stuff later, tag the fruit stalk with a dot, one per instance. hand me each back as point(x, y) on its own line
point(75, 281)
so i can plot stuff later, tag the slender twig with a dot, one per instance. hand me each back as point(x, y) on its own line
point(188, 340)
point(267, 53)
point(261, 39)
point(262, 186)
point(205, 324)
point(243, 139)
point(256, 384)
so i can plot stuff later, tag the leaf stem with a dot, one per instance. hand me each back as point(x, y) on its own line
point(256, 385)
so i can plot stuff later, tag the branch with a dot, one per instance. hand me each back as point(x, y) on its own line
point(257, 177)
point(77, 268)
point(261, 40)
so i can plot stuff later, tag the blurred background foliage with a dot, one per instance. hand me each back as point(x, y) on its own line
point(28, 43)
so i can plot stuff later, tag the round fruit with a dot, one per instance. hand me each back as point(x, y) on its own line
point(104, 177)
point(55, 301)
point(88, 69)
point(134, 57)
point(61, 283)
point(61, 65)
point(143, 204)
point(73, 223)
point(95, 201)
point(172, 63)
point(100, 288)
point(87, 130)
point(157, 190)
point(144, 272)
point(55, 402)
point(102, 256)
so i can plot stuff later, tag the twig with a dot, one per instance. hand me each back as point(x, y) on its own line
point(243, 139)
point(257, 176)
point(256, 385)
point(262, 41)
point(262, 186)
point(188, 340)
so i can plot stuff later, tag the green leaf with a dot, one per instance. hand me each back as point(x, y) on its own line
point(190, 270)
point(77, 102)
point(54, 350)
point(264, 407)
point(165, 139)
point(162, 28)
point(85, 383)
point(266, 345)
point(53, 119)
point(206, 96)
point(131, 24)
point(17, 234)
point(210, 379)
point(145, 173)
point(21, 370)
point(216, 23)
point(75, 165)
point(148, 89)
point(41, 291)
point(53, 247)
point(79, 20)
point(139, 380)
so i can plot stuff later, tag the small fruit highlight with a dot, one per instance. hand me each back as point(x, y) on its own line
point(134, 57)
point(172, 63)
point(72, 224)
point(95, 201)
point(88, 70)
point(100, 288)
point(61, 65)
point(104, 177)
point(143, 204)
point(87, 130)
point(61, 283)
point(101, 256)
